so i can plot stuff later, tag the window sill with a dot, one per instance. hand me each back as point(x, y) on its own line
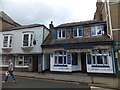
point(60, 65)
point(61, 38)
point(101, 66)
point(21, 66)
point(6, 48)
point(77, 36)
point(27, 47)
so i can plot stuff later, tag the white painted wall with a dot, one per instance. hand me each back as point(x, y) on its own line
point(17, 40)
point(46, 61)
point(101, 69)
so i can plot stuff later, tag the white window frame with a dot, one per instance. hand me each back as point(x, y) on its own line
point(60, 31)
point(9, 40)
point(78, 28)
point(21, 58)
point(64, 55)
point(102, 55)
point(30, 41)
point(96, 28)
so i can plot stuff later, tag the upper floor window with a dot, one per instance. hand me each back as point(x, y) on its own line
point(7, 41)
point(97, 30)
point(27, 39)
point(61, 34)
point(78, 32)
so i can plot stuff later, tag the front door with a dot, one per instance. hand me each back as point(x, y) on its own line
point(83, 62)
point(35, 63)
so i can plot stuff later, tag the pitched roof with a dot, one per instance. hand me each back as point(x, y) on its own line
point(82, 23)
point(26, 26)
point(6, 18)
point(52, 41)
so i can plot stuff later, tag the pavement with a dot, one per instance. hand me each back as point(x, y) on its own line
point(110, 83)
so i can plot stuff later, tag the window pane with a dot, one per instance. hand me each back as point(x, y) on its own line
point(60, 60)
point(105, 60)
point(80, 31)
point(26, 40)
point(5, 42)
point(98, 30)
point(26, 60)
point(64, 60)
point(31, 40)
point(63, 33)
point(59, 34)
point(10, 41)
point(93, 60)
point(75, 31)
point(55, 60)
point(93, 31)
point(99, 60)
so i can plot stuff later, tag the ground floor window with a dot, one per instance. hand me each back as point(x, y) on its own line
point(60, 58)
point(74, 58)
point(5, 60)
point(23, 61)
point(98, 58)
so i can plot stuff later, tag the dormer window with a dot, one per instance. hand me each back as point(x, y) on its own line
point(78, 32)
point(7, 41)
point(97, 30)
point(61, 34)
point(27, 39)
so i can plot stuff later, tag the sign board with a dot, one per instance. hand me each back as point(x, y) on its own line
point(68, 59)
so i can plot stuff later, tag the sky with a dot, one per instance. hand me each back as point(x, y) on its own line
point(44, 11)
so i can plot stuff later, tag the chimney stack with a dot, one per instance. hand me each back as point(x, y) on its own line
point(51, 26)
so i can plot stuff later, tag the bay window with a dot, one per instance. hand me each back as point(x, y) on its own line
point(60, 58)
point(98, 58)
point(7, 41)
point(27, 39)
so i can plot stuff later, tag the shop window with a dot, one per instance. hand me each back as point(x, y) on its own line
point(60, 58)
point(5, 60)
point(100, 57)
point(23, 61)
point(74, 58)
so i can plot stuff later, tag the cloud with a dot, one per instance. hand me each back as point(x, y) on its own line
point(44, 11)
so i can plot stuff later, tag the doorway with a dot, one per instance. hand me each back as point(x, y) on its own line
point(35, 63)
point(83, 62)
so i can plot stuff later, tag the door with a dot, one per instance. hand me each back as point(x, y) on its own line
point(83, 62)
point(30, 64)
point(35, 63)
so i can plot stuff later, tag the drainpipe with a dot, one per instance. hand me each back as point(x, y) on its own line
point(110, 24)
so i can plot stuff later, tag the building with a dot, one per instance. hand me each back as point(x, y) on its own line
point(22, 44)
point(6, 22)
point(109, 11)
point(79, 46)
